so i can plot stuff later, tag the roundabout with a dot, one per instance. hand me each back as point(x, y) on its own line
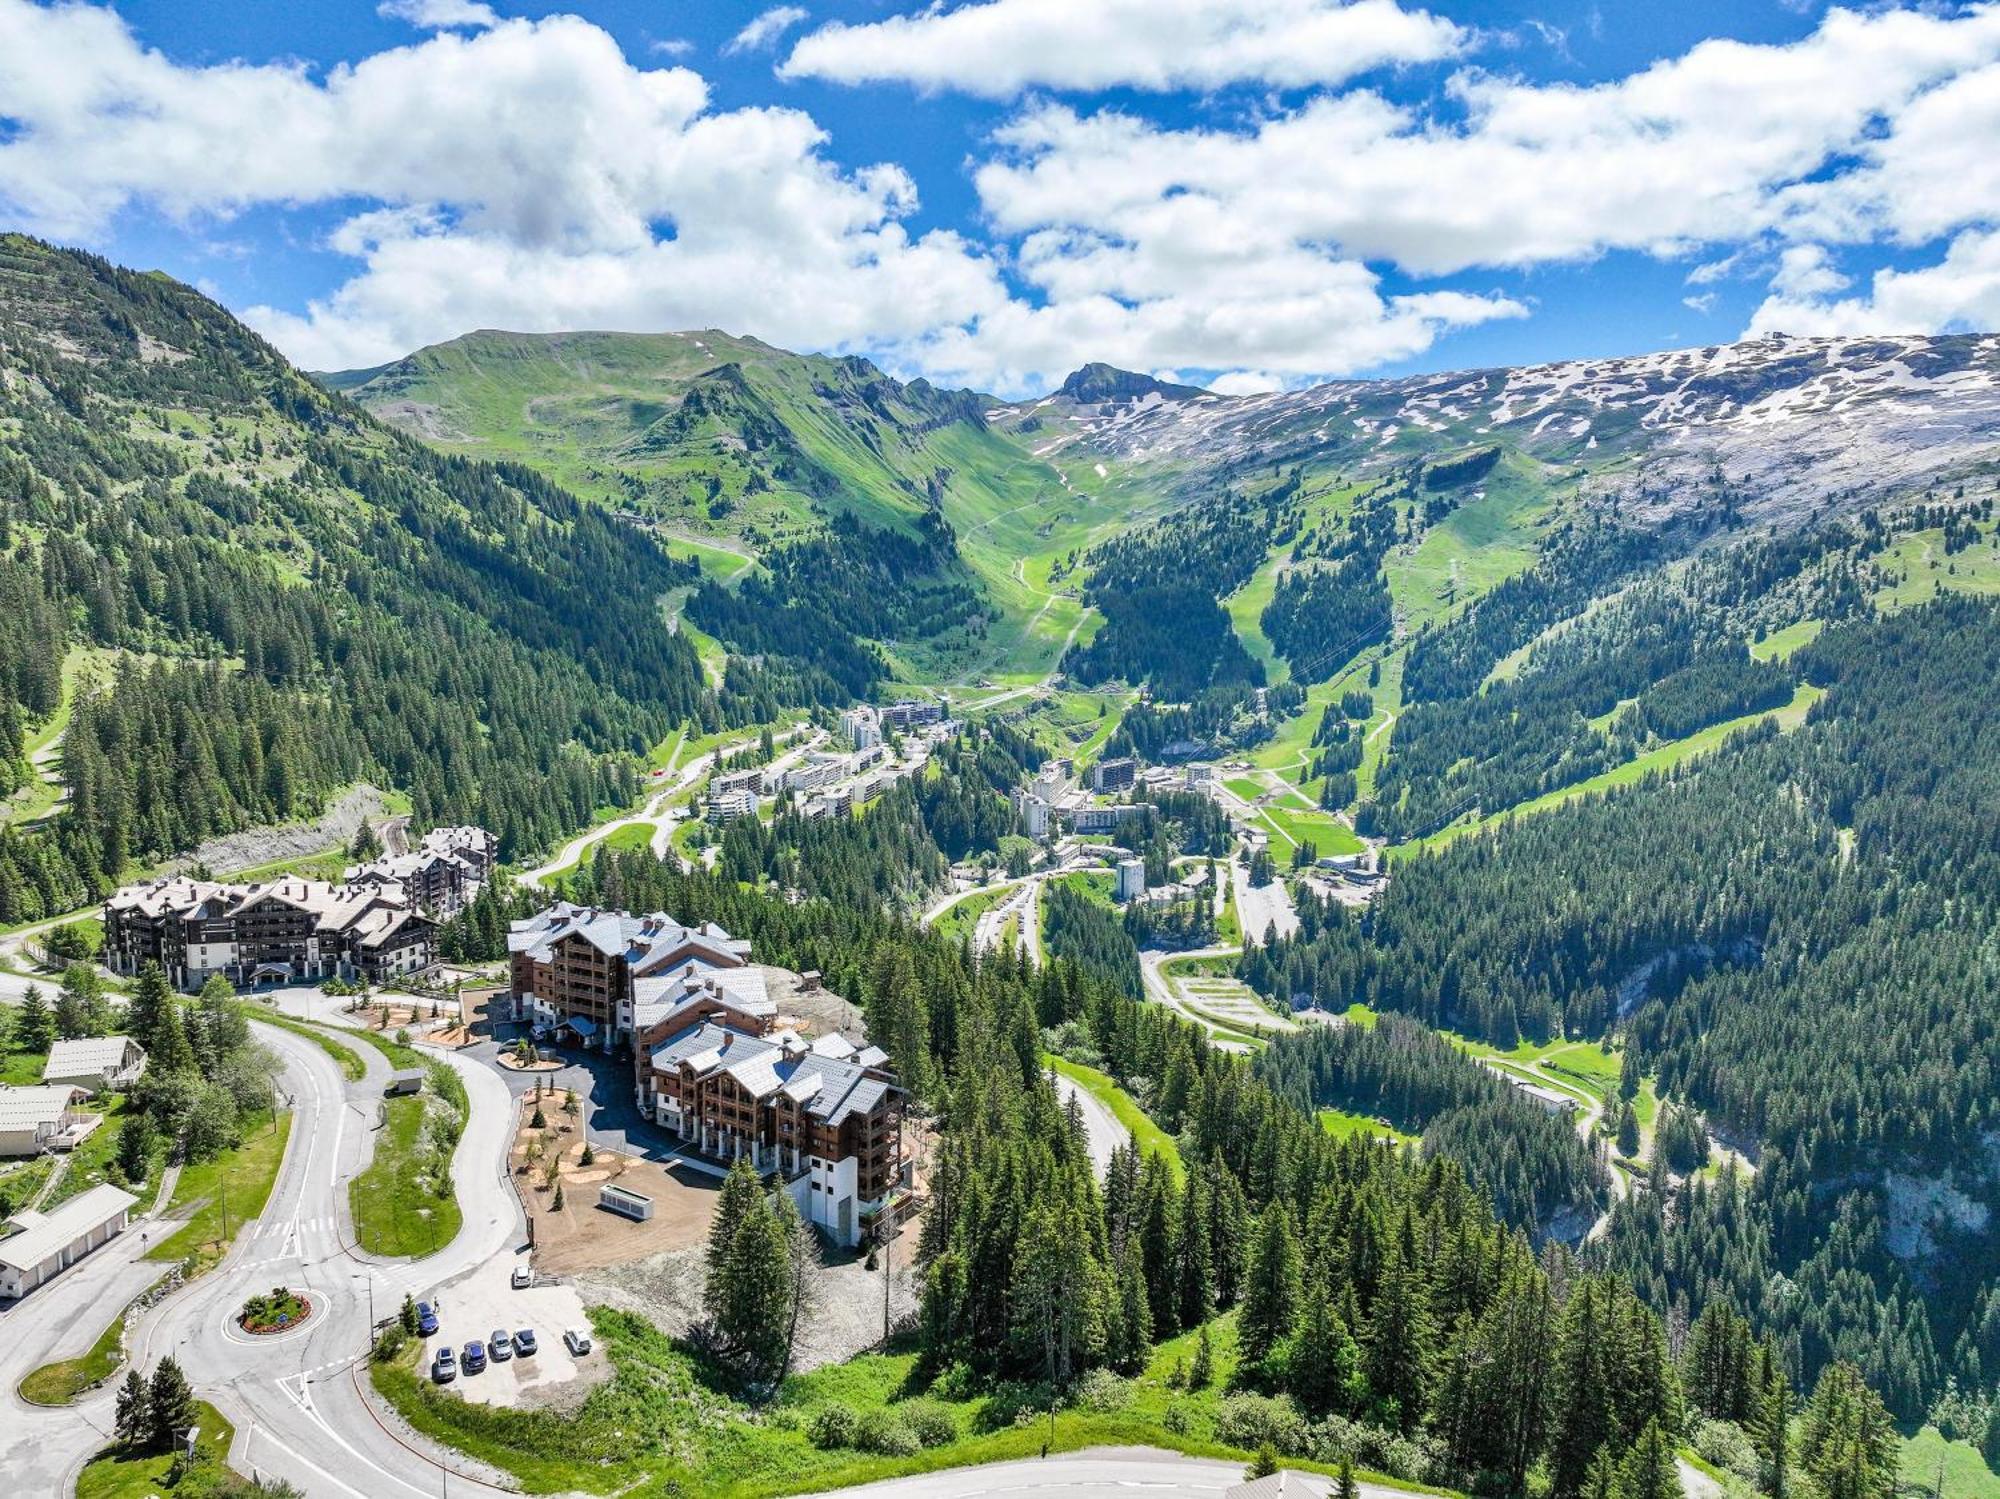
point(273, 1313)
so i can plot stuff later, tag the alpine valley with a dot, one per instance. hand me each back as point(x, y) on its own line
point(1561, 1037)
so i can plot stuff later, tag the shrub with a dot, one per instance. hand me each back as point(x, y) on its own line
point(887, 1434)
point(1724, 1444)
point(933, 1425)
point(1101, 1390)
point(1255, 1421)
point(1178, 1418)
point(831, 1426)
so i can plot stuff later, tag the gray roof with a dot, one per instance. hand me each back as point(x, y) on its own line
point(88, 1054)
point(44, 1234)
point(619, 934)
point(829, 1087)
point(25, 1108)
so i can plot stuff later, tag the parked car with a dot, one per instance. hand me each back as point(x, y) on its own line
point(427, 1320)
point(500, 1347)
point(577, 1340)
point(524, 1276)
point(524, 1342)
point(475, 1357)
point(444, 1368)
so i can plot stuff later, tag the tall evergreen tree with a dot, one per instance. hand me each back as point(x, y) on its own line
point(1271, 1287)
point(169, 1405)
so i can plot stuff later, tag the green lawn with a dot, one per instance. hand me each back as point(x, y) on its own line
point(396, 1212)
point(112, 1475)
point(61, 1382)
point(91, 1163)
point(1343, 1125)
point(1147, 1137)
point(241, 1178)
point(351, 1066)
point(959, 921)
point(1966, 1475)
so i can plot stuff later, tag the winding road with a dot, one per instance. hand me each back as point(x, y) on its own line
point(296, 1400)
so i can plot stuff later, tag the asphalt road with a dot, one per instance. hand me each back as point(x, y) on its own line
point(295, 1399)
point(1101, 1473)
point(1100, 1126)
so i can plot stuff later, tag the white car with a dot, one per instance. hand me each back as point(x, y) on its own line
point(577, 1340)
point(523, 1277)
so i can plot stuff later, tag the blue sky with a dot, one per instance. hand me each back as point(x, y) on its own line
point(1248, 192)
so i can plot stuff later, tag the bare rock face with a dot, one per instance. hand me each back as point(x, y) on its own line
point(1794, 429)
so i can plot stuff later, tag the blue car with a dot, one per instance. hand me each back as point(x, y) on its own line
point(475, 1357)
point(427, 1320)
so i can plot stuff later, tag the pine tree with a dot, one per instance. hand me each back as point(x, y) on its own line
point(1263, 1465)
point(1648, 1469)
point(1399, 1336)
point(1201, 1374)
point(1847, 1440)
point(79, 1004)
point(1629, 1076)
point(1271, 1288)
point(1321, 1363)
point(170, 1405)
point(752, 1309)
point(34, 1027)
point(170, 1051)
point(740, 1194)
point(137, 1140)
point(134, 1420)
point(1344, 1486)
point(1628, 1131)
point(150, 994)
point(407, 1315)
point(1771, 1428)
point(1133, 1325)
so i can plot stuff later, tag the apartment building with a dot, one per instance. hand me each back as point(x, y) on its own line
point(283, 930)
point(440, 875)
point(1110, 776)
point(602, 975)
point(911, 713)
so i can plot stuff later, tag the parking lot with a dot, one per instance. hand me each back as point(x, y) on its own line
point(474, 1307)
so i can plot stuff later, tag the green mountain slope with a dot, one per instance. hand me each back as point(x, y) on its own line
point(277, 595)
point(718, 439)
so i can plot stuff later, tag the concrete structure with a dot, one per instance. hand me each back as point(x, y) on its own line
point(95, 1063)
point(617, 972)
point(1088, 819)
point(625, 1202)
point(46, 1244)
point(37, 1120)
point(1131, 879)
point(731, 805)
point(1110, 776)
point(861, 726)
point(910, 713)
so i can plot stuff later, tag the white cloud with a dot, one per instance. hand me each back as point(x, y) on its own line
point(766, 28)
point(998, 48)
point(527, 174)
point(1960, 293)
point(1708, 148)
point(437, 14)
point(1703, 303)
